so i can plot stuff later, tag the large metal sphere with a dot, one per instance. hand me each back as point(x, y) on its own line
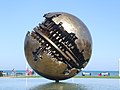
point(59, 47)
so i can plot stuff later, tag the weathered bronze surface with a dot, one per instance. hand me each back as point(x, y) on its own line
point(59, 47)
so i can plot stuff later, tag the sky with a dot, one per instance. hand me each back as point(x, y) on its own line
point(102, 17)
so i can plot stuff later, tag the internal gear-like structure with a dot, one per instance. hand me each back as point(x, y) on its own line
point(59, 47)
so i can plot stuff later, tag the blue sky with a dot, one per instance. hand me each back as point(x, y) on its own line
point(102, 17)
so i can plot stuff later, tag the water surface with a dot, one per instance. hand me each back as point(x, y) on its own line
point(70, 84)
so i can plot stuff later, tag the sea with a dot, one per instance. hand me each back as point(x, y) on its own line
point(93, 73)
point(7, 83)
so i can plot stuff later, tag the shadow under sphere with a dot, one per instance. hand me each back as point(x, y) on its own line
point(59, 86)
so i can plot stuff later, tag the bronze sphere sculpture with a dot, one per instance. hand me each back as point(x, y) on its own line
point(59, 47)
